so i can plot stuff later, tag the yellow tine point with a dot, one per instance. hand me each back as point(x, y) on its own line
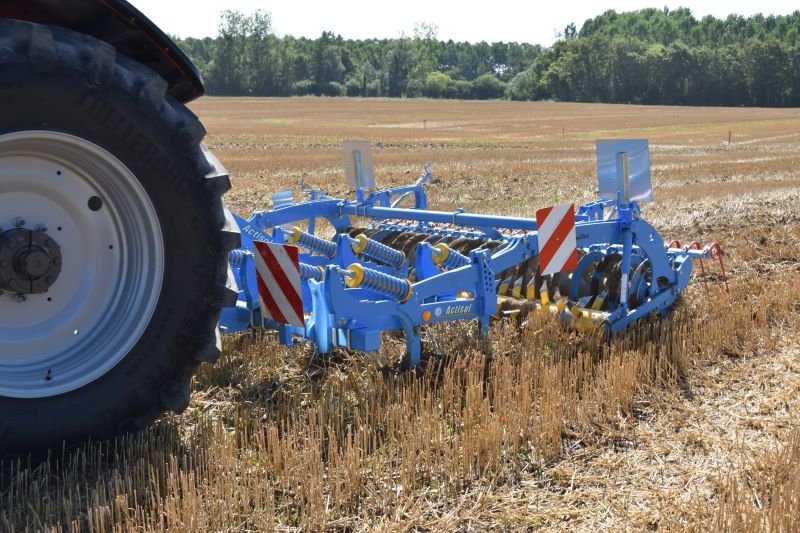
point(504, 285)
point(545, 296)
point(530, 290)
point(516, 292)
point(598, 301)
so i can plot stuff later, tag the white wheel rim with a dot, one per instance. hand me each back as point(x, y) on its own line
point(112, 263)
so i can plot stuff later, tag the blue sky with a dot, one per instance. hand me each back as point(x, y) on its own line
point(465, 20)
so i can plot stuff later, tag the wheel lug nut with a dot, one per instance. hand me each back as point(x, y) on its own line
point(41, 227)
point(19, 298)
point(19, 222)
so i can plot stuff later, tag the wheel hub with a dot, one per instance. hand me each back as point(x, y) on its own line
point(30, 261)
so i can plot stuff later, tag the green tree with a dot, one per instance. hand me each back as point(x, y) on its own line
point(423, 53)
point(242, 59)
point(487, 86)
point(767, 68)
point(436, 84)
point(398, 66)
point(328, 67)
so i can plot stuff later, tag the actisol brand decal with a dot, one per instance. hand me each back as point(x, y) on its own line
point(453, 310)
point(256, 234)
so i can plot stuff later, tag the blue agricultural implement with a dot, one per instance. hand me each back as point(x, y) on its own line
point(410, 267)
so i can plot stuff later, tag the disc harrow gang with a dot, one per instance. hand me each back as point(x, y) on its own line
point(522, 289)
point(412, 267)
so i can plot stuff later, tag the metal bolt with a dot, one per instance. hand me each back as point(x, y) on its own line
point(40, 227)
point(19, 222)
point(19, 298)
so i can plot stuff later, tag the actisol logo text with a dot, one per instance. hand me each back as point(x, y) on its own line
point(458, 310)
point(255, 234)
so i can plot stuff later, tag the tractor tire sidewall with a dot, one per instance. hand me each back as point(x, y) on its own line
point(172, 174)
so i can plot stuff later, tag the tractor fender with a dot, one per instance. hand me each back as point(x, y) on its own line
point(124, 27)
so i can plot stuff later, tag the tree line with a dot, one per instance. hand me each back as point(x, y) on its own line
point(652, 56)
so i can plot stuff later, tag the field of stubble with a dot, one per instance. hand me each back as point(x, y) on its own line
point(691, 423)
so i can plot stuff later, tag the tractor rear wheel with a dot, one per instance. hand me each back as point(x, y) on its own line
point(113, 242)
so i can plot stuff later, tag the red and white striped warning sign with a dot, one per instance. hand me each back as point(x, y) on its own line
point(557, 243)
point(278, 278)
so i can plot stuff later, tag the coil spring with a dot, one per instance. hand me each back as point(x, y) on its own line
point(394, 287)
point(236, 257)
point(311, 272)
point(446, 256)
point(315, 244)
point(378, 251)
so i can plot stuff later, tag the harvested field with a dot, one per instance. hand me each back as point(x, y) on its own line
point(691, 423)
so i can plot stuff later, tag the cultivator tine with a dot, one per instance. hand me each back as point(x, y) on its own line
point(516, 290)
point(529, 271)
point(715, 252)
point(583, 302)
point(711, 251)
point(544, 295)
point(530, 290)
point(504, 286)
point(599, 300)
point(557, 294)
point(507, 281)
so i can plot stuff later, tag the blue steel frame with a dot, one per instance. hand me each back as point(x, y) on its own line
point(354, 317)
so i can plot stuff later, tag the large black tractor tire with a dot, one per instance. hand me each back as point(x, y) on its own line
point(63, 90)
